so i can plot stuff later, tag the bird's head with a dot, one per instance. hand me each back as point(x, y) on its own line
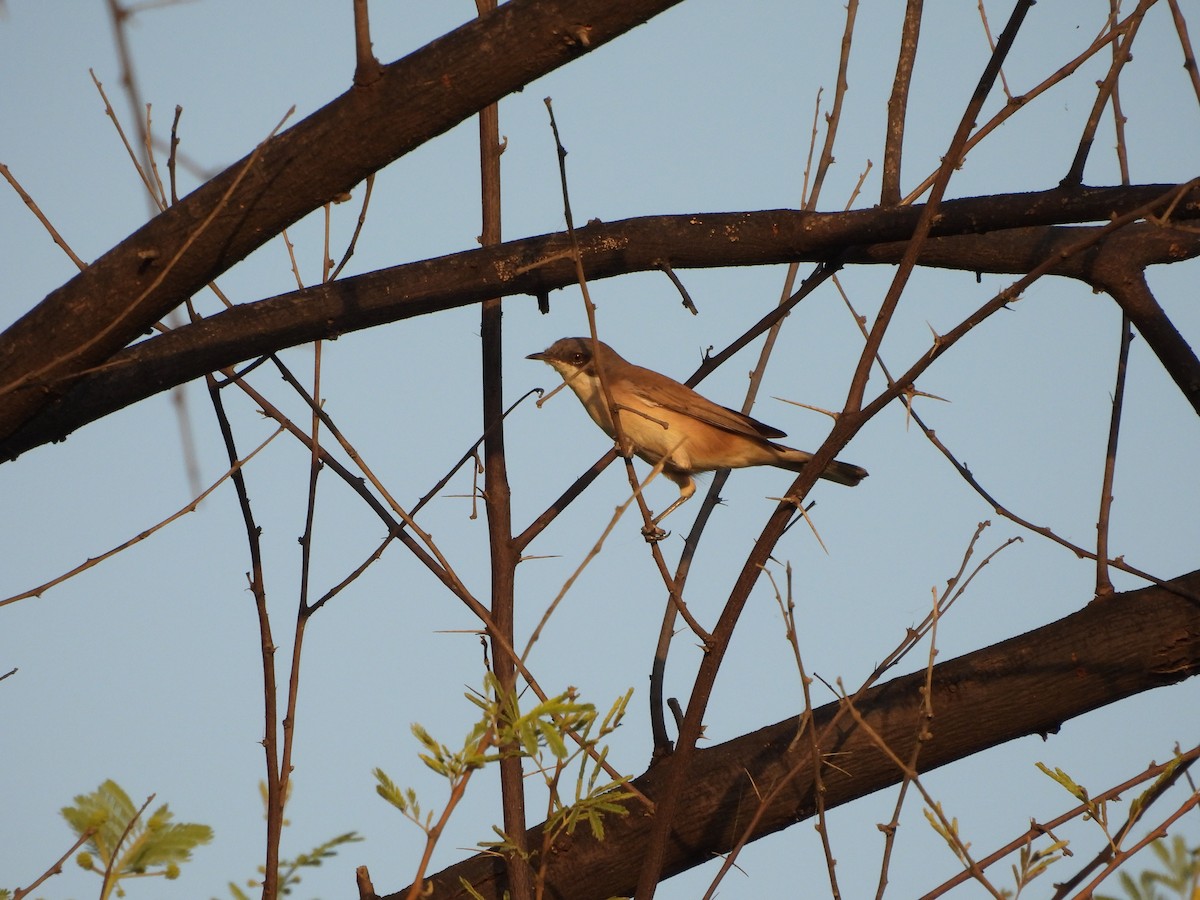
point(573, 356)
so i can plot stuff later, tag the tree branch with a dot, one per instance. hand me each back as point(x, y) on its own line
point(898, 103)
point(119, 296)
point(1127, 285)
point(539, 264)
point(1031, 684)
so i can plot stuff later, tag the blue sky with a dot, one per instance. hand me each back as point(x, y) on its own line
point(146, 669)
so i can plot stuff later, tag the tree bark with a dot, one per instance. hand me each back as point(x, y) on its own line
point(1031, 684)
point(1020, 234)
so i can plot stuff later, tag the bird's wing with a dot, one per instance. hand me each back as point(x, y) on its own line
point(666, 393)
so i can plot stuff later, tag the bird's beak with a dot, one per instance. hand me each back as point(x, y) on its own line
point(541, 356)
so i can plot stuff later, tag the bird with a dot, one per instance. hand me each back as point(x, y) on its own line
point(668, 422)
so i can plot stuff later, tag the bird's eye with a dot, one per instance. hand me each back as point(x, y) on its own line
point(579, 359)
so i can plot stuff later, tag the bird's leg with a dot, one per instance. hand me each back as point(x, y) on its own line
point(683, 498)
point(687, 487)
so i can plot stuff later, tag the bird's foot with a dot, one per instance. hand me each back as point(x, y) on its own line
point(653, 534)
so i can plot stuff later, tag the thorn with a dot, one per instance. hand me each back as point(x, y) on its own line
point(830, 413)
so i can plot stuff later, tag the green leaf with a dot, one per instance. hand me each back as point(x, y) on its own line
point(554, 741)
point(325, 850)
point(153, 842)
point(948, 831)
point(612, 720)
point(390, 791)
point(168, 844)
point(288, 869)
point(1078, 791)
point(106, 811)
point(528, 735)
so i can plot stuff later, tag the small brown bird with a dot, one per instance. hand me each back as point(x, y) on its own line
point(665, 420)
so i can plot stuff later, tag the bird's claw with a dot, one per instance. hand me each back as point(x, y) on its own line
point(653, 534)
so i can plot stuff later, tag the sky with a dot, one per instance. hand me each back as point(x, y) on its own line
point(146, 668)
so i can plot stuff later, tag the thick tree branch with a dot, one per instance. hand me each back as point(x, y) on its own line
point(540, 264)
point(1031, 684)
point(415, 99)
point(1126, 284)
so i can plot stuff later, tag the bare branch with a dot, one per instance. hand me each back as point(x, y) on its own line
point(367, 69)
point(898, 103)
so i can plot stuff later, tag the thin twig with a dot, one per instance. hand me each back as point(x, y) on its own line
point(804, 727)
point(665, 265)
point(369, 185)
point(1189, 55)
point(1104, 586)
point(304, 611)
point(590, 310)
point(597, 546)
point(987, 30)
point(56, 868)
point(141, 536)
point(835, 115)
point(812, 147)
point(112, 857)
point(1121, 55)
point(326, 262)
point(41, 217)
point(275, 799)
point(1119, 120)
point(138, 166)
point(173, 155)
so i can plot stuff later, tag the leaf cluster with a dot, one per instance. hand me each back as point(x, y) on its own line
point(123, 843)
point(1179, 874)
point(543, 734)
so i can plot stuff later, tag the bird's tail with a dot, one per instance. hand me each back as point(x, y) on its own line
point(837, 471)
